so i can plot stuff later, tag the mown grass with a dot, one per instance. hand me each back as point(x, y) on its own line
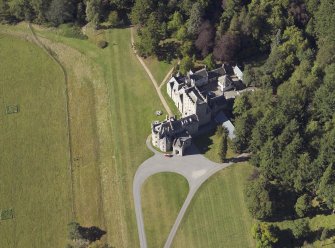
point(163, 195)
point(159, 69)
point(217, 216)
point(117, 119)
point(209, 145)
point(35, 176)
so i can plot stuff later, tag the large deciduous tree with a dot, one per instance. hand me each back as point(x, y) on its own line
point(195, 20)
point(61, 11)
point(327, 188)
point(93, 11)
point(227, 47)
point(205, 41)
point(258, 198)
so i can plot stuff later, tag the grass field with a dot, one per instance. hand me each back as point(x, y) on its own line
point(34, 177)
point(109, 123)
point(121, 124)
point(217, 216)
point(163, 195)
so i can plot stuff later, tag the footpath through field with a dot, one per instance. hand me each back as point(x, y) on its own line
point(153, 80)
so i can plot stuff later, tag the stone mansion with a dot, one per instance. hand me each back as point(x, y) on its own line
point(199, 96)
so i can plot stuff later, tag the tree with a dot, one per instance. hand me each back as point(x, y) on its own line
point(223, 148)
point(141, 11)
point(324, 102)
point(81, 14)
point(243, 129)
point(325, 234)
point(186, 64)
point(176, 22)
point(227, 47)
point(302, 206)
point(186, 48)
point(195, 20)
point(61, 11)
point(219, 131)
point(204, 42)
point(210, 62)
point(124, 5)
point(150, 35)
point(113, 19)
point(21, 9)
point(300, 229)
point(327, 188)
point(181, 34)
point(265, 235)
point(258, 199)
point(93, 11)
point(241, 105)
point(40, 8)
point(5, 15)
point(73, 231)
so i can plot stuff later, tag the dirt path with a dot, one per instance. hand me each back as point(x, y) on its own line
point(153, 80)
point(168, 75)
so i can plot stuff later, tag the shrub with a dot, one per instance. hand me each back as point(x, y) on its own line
point(265, 235)
point(102, 44)
point(113, 19)
point(300, 229)
point(71, 31)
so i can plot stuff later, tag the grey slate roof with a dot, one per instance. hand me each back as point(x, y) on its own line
point(216, 73)
point(199, 74)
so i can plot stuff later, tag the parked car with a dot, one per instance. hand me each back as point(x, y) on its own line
point(168, 155)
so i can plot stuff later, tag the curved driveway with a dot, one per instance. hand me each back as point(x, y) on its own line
point(195, 168)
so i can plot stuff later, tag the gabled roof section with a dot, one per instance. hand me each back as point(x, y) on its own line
point(199, 74)
point(216, 73)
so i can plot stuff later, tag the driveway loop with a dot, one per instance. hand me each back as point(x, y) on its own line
point(195, 168)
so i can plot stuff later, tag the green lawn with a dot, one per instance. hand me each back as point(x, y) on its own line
point(159, 69)
point(217, 216)
point(208, 144)
point(34, 178)
point(162, 197)
point(169, 101)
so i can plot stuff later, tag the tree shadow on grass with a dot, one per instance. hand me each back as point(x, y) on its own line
point(92, 233)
